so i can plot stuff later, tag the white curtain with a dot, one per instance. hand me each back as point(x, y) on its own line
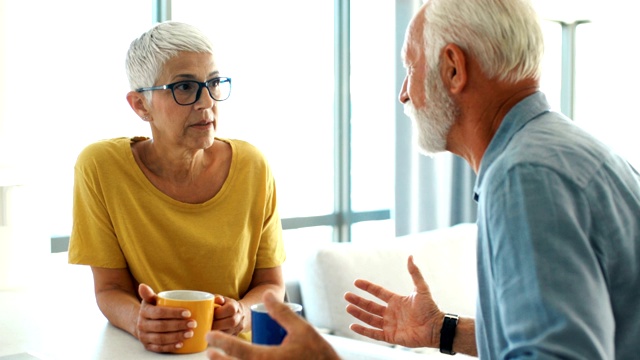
point(432, 193)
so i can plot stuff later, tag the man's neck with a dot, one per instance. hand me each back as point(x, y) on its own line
point(482, 115)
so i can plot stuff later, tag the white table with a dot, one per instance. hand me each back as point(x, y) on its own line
point(57, 318)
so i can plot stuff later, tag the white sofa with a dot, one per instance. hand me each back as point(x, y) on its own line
point(445, 256)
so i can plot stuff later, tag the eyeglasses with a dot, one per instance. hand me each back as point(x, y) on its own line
point(188, 92)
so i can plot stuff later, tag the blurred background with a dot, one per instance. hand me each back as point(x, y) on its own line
point(315, 87)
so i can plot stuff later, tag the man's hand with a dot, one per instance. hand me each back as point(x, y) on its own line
point(411, 321)
point(301, 342)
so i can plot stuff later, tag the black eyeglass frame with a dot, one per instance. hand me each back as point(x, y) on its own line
point(198, 93)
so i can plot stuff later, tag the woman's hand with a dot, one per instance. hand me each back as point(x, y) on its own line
point(159, 328)
point(230, 316)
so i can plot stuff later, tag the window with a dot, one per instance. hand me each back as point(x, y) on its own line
point(373, 102)
point(605, 77)
point(282, 70)
point(285, 101)
point(328, 132)
point(63, 87)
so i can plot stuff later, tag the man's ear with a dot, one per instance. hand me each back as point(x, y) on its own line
point(138, 103)
point(453, 68)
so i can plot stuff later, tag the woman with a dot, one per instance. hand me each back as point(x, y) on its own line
point(181, 210)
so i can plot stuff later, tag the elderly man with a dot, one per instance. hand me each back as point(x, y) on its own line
point(558, 212)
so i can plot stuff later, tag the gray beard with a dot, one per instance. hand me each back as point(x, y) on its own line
point(432, 123)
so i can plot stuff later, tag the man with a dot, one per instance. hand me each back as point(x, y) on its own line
point(558, 212)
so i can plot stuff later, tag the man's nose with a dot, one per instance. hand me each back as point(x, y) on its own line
point(403, 97)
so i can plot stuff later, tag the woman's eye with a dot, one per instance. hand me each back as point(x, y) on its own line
point(184, 86)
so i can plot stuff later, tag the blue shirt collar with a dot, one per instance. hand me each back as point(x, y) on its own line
point(526, 110)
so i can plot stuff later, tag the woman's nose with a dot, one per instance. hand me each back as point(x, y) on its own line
point(205, 100)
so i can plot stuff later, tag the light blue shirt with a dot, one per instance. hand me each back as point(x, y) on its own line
point(558, 242)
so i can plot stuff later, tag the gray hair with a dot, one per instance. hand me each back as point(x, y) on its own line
point(503, 35)
point(148, 53)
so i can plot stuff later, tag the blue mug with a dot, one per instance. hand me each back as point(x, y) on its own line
point(265, 330)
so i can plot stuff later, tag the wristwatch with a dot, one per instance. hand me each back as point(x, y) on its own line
point(447, 333)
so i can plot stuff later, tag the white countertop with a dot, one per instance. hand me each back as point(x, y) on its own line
point(56, 318)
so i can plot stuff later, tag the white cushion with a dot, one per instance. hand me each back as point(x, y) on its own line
point(446, 258)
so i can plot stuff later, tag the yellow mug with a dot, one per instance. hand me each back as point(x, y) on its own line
point(201, 306)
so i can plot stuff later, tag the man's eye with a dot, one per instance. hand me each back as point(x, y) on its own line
point(214, 83)
point(185, 86)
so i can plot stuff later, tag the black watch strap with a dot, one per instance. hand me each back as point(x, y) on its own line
point(447, 333)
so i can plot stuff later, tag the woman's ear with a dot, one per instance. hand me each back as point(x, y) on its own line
point(453, 68)
point(139, 104)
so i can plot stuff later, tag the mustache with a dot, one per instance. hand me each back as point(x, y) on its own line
point(409, 109)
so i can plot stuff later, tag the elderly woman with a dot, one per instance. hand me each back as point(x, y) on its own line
point(181, 210)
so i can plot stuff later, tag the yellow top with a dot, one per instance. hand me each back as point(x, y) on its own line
point(120, 220)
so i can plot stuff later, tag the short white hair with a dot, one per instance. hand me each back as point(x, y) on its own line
point(148, 53)
point(503, 35)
